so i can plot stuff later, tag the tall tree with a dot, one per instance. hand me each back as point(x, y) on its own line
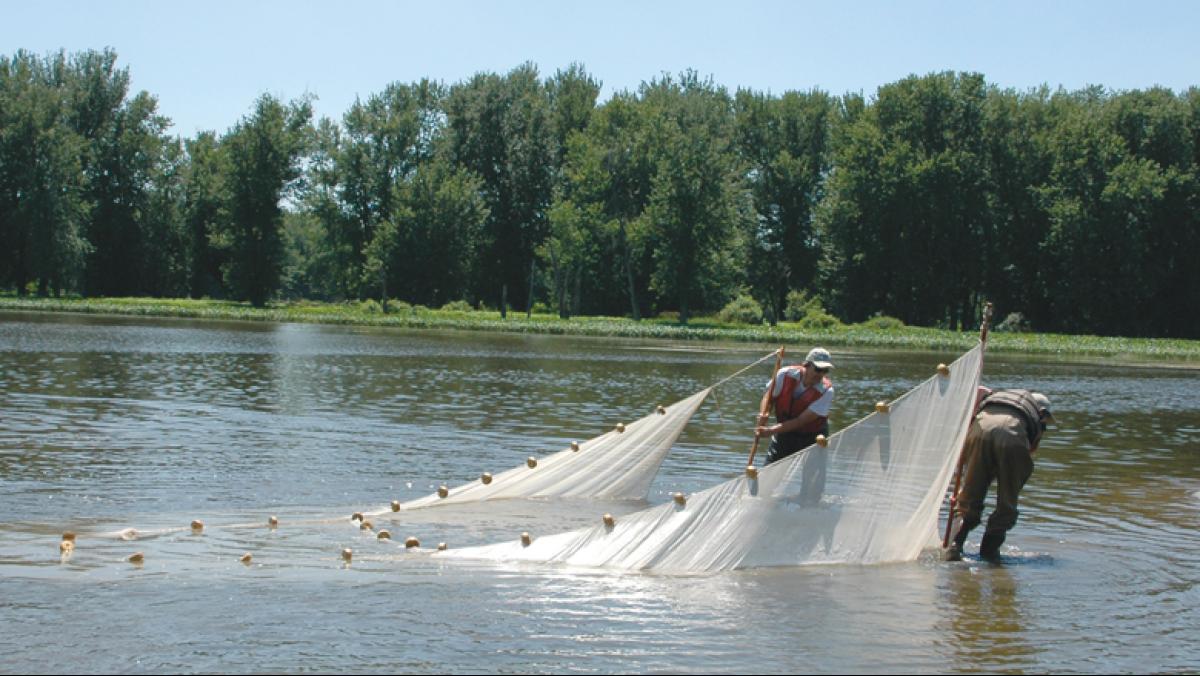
point(697, 203)
point(264, 153)
point(385, 140)
point(784, 143)
point(500, 128)
point(440, 233)
point(125, 142)
point(204, 201)
point(163, 234)
point(608, 175)
point(41, 190)
point(1014, 263)
point(572, 95)
point(910, 185)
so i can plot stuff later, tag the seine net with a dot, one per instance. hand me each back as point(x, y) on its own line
point(616, 465)
point(871, 495)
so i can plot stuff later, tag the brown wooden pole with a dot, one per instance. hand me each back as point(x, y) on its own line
point(766, 404)
point(983, 332)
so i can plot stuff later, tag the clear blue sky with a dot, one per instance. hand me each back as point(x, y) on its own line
point(207, 61)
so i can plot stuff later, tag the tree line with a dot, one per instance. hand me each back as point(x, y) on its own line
point(1077, 209)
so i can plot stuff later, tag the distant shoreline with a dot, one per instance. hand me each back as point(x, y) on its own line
point(700, 329)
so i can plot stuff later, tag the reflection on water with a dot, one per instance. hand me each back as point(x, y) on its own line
point(111, 423)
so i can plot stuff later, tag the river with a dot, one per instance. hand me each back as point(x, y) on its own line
point(109, 423)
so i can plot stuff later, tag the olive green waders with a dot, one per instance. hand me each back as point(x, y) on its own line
point(997, 448)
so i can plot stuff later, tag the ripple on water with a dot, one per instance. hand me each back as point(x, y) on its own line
point(137, 424)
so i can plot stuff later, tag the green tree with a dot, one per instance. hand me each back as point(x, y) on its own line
point(566, 249)
point(1017, 131)
point(125, 143)
point(204, 202)
point(442, 234)
point(1120, 228)
point(608, 175)
point(909, 202)
point(380, 253)
point(264, 152)
point(501, 129)
point(308, 268)
point(785, 145)
point(322, 199)
point(163, 234)
point(697, 206)
point(41, 191)
point(572, 96)
point(385, 140)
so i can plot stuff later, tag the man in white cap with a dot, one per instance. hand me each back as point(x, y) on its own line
point(999, 447)
point(802, 396)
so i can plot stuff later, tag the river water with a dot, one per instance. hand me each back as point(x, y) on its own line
point(114, 423)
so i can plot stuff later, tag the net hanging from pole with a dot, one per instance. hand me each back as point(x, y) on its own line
point(871, 495)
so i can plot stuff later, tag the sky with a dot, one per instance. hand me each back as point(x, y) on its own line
point(207, 62)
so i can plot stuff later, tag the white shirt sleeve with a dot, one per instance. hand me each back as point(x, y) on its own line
point(823, 405)
point(778, 384)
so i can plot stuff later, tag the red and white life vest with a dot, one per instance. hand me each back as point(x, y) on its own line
point(787, 407)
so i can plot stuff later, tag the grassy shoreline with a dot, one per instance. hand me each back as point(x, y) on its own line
point(700, 329)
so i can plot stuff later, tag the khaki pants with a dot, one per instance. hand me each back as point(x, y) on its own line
point(997, 448)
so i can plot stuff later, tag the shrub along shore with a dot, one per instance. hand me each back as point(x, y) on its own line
point(878, 333)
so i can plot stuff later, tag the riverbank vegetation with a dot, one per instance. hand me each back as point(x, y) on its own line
point(673, 208)
point(876, 332)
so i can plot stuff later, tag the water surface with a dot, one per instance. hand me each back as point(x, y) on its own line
point(114, 423)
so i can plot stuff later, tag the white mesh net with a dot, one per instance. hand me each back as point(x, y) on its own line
point(871, 496)
point(616, 465)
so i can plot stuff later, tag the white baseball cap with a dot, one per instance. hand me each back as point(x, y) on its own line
point(819, 357)
point(1043, 404)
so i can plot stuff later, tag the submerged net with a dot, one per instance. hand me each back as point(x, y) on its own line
point(872, 495)
point(616, 465)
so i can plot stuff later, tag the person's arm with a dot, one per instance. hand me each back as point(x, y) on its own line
point(818, 409)
point(767, 405)
point(764, 411)
point(795, 423)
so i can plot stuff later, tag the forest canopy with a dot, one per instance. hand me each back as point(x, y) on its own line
point(1076, 209)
